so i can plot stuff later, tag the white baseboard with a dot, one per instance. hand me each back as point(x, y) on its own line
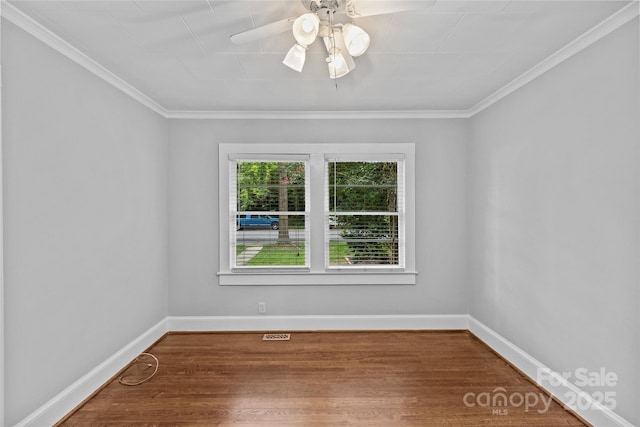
point(318, 323)
point(59, 406)
point(565, 392)
point(67, 400)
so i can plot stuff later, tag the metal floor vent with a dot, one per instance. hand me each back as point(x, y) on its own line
point(276, 337)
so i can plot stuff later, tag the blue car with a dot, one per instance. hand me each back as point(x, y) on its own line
point(257, 221)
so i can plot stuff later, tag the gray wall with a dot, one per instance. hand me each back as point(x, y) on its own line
point(440, 212)
point(555, 215)
point(85, 183)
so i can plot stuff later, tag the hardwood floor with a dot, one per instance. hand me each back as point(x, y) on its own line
point(325, 379)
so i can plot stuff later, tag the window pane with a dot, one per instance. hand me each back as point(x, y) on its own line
point(271, 186)
point(363, 240)
point(259, 241)
point(363, 186)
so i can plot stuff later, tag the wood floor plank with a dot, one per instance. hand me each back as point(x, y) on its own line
point(398, 378)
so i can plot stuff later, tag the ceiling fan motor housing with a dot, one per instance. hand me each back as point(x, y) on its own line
point(316, 5)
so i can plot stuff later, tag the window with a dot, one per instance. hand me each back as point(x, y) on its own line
point(316, 214)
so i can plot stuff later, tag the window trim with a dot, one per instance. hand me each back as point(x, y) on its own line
point(317, 274)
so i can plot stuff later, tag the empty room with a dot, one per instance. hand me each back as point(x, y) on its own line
point(320, 213)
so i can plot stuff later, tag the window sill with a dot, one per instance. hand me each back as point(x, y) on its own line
point(280, 278)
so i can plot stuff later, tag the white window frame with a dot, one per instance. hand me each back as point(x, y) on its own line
point(318, 272)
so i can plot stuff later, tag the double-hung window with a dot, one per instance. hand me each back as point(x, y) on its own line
point(317, 214)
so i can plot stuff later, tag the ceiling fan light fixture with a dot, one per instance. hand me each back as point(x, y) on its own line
point(356, 39)
point(329, 20)
point(295, 57)
point(305, 28)
point(340, 64)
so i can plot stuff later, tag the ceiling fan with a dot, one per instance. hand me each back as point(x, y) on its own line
point(331, 21)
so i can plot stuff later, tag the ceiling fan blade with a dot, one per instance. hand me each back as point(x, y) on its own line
point(263, 31)
point(362, 8)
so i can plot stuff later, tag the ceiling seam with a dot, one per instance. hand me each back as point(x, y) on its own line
point(193, 35)
point(122, 27)
point(450, 33)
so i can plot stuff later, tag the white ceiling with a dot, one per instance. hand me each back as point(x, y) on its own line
point(449, 55)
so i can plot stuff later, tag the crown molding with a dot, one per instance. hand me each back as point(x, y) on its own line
point(37, 30)
point(604, 28)
point(28, 24)
point(314, 115)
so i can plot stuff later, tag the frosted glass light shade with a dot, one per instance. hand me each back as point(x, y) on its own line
point(305, 28)
point(295, 57)
point(337, 65)
point(340, 62)
point(356, 39)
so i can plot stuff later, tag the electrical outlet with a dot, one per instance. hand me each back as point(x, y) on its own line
point(262, 307)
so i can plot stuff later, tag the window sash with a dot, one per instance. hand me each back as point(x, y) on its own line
point(268, 245)
point(364, 248)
